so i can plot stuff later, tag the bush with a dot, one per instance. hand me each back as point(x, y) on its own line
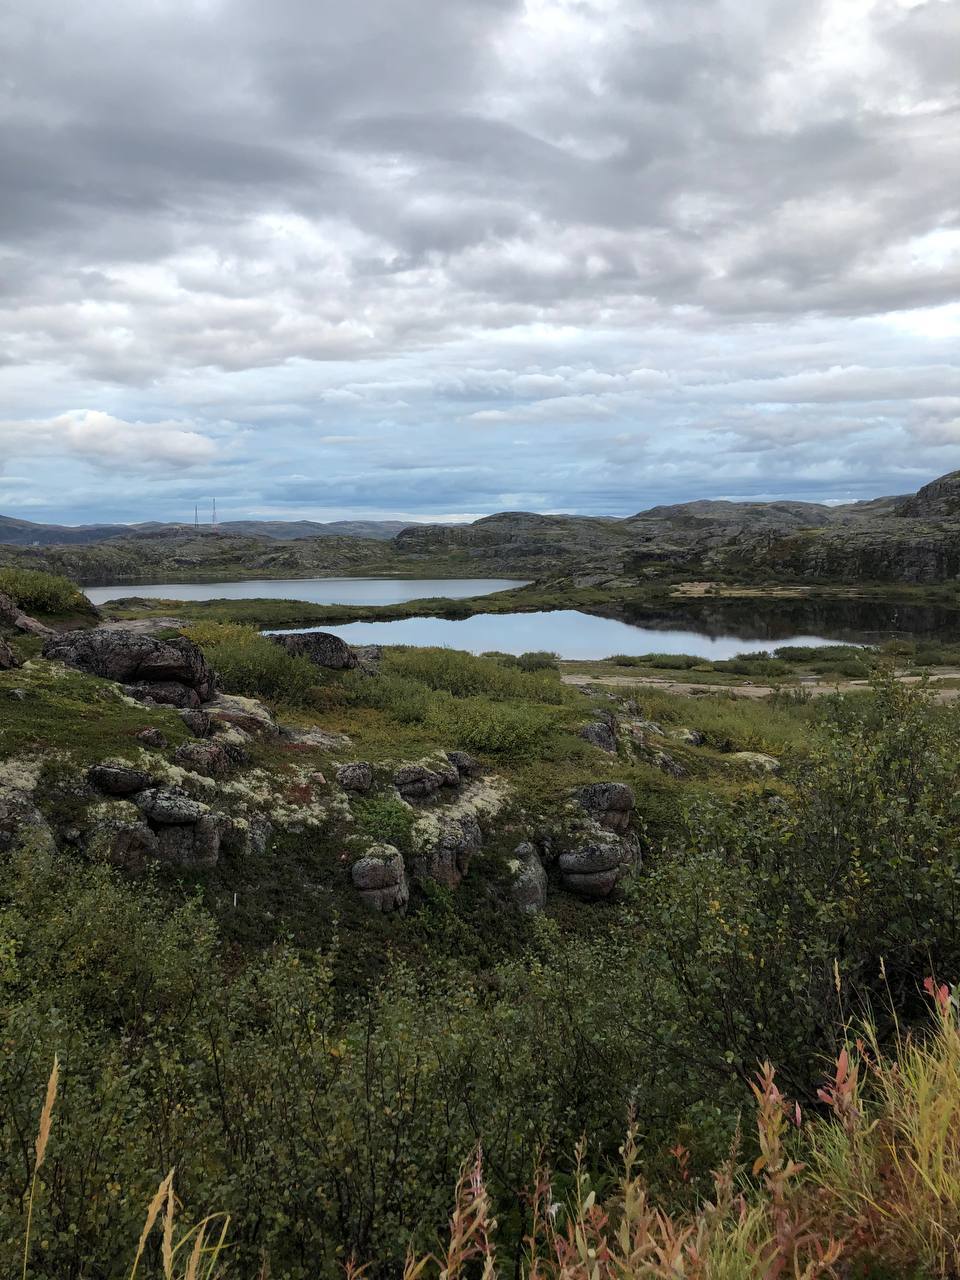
point(385, 819)
point(37, 592)
point(538, 660)
point(249, 663)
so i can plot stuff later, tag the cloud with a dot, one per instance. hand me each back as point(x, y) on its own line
point(244, 236)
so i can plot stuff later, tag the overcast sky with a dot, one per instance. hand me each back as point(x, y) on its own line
point(439, 258)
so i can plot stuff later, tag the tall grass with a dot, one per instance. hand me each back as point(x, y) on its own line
point(38, 592)
point(248, 663)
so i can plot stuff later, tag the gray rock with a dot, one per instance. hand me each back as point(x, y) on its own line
point(381, 879)
point(151, 737)
point(170, 806)
point(130, 845)
point(194, 847)
point(242, 713)
point(416, 781)
point(609, 803)
point(595, 861)
point(205, 756)
point(357, 776)
point(666, 764)
point(135, 659)
point(600, 734)
point(198, 722)
point(245, 837)
point(528, 888)
point(448, 856)
point(8, 659)
point(321, 648)
point(465, 764)
point(756, 761)
point(115, 778)
point(11, 615)
point(690, 737)
point(164, 693)
point(369, 658)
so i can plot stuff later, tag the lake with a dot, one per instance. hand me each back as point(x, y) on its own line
point(566, 632)
point(312, 590)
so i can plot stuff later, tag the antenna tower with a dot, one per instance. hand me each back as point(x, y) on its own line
point(196, 515)
point(214, 521)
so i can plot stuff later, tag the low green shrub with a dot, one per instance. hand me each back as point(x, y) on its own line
point(385, 819)
point(249, 663)
point(37, 592)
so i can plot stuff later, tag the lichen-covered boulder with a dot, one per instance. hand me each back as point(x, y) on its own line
point(600, 734)
point(381, 879)
point(151, 737)
point(122, 841)
point(135, 659)
point(355, 776)
point(594, 861)
point(755, 761)
point(446, 845)
point(117, 778)
point(195, 846)
point(205, 756)
point(609, 803)
point(322, 648)
point(198, 722)
point(528, 884)
point(416, 781)
point(169, 806)
point(242, 713)
point(465, 764)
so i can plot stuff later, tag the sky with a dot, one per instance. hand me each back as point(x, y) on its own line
point(433, 259)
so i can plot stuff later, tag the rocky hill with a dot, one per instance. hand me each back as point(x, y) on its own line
point(26, 533)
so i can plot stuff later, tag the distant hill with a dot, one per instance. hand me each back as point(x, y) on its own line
point(26, 533)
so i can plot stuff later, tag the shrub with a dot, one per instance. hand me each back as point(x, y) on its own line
point(538, 660)
point(249, 663)
point(385, 819)
point(37, 592)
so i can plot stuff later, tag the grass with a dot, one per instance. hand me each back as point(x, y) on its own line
point(248, 663)
point(45, 593)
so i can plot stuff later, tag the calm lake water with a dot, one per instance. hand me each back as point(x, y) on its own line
point(313, 590)
point(566, 632)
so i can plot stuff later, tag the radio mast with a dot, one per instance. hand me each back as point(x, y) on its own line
point(214, 520)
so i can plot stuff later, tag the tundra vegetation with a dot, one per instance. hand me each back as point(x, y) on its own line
point(644, 992)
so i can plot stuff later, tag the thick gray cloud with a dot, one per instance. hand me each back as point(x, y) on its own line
point(428, 258)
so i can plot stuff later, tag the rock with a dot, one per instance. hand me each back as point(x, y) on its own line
point(163, 693)
point(757, 761)
point(12, 615)
point(195, 846)
point(320, 647)
point(245, 837)
point(381, 878)
point(321, 739)
point(690, 737)
point(357, 776)
point(465, 764)
point(528, 888)
point(595, 861)
point(130, 845)
point(116, 778)
point(207, 757)
point(170, 806)
point(600, 734)
point(151, 737)
point(152, 666)
point(18, 695)
point(609, 803)
point(245, 713)
point(666, 764)
point(23, 825)
point(369, 658)
point(446, 857)
point(8, 659)
point(199, 723)
point(416, 781)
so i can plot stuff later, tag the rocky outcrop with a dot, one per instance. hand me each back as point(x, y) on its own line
point(465, 765)
point(170, 806)
point(528, 884)
point(381, 879)
point(601, 734)
point(356, 776)
point(153, 738)
point(322, 648)
point(165, 671)
point(209, 757)
point(755, 761)
point(416, 781)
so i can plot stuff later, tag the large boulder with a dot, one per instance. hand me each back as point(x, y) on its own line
point(122, 842)
point(381, 879)
point(116, 778)
point(445, 848)
point(195, 846)
point(608, 803)
point(356, 776)
point(169, 807)
point(321, 648)
point(171, 669)
point(205, 756)
point(596, 860)
point(600, 734)
point(246, 714)
point(417, 782)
